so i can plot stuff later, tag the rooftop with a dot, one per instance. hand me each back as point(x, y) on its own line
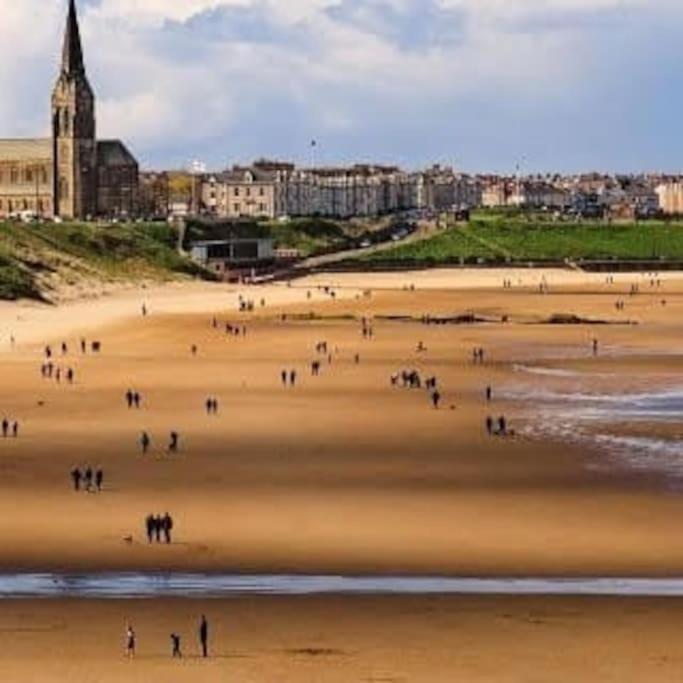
point(28, 149)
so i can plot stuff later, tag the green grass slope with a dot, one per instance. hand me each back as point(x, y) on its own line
point(499, 239)
point(37, 261)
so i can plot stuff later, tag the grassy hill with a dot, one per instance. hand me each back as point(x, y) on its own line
point(42, 261)
point(500, 238)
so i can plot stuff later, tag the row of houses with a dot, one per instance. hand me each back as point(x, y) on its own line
point(271, 189)
point(268, 189)
point(591, 195)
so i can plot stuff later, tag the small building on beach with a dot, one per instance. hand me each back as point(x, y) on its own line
point(235, 258)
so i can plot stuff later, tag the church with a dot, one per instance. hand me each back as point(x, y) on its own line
point(72, 175)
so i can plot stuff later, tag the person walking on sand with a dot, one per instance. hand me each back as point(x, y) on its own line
point(173, 445)
point(129, 398)
point(76, 478)
point(175, 643)
point(489, 393)
point(99, 480)
point(157, 528)
point(502, 426)
point(149, 526)
point(204, 636)
point(436, 399)
point(130, 642)
point(5, 427)
point(145, 442)
point(283, 377)
point(15, 429)
point(167, 527)
point(87, 478)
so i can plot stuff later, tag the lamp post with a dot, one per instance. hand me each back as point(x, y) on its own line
point(197, 168)
point(37, 179)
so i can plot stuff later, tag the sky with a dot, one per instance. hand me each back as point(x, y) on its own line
point(483, 85)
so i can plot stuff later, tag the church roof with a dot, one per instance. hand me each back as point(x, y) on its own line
point(113, 153)
point(72, 52)
point(29, 149)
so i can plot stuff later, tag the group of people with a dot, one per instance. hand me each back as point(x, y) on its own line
point(176, 651)
point(87, 480)
point(246, 305)
point(231, 329)
point(412, 379)
point(157, 526)
point(409, 379)
point(49, 370)
point(498, 427)
point(133, 399)
point(95, 346)
point(288, 378)
point(10, 427)
point(367, 329)
point(173, 443)
point(211, 405)
point(478, 355)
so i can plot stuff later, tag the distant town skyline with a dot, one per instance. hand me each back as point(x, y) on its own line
point(487, 85)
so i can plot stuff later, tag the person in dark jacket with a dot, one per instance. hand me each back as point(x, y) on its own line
point(204, 636)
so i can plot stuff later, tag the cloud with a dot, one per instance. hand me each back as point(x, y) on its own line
point(479, 82)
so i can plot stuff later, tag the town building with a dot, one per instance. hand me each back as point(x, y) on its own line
point(235, 258)
point(71, 175)
point(270, 190)
point(242, 193)
point(670, 198)
point(154, 195)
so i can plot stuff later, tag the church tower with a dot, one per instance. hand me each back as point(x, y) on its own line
point(73, 131)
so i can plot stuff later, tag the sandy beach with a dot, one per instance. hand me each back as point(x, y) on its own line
point(337, 640)
point(346, 474)
point(343, 473)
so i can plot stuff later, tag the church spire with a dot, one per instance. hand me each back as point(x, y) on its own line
point(72, 53)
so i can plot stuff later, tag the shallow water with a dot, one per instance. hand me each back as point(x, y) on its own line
point(141, 586)
point(585, 408)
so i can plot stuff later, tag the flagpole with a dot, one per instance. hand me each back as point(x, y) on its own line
point(314, 144)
